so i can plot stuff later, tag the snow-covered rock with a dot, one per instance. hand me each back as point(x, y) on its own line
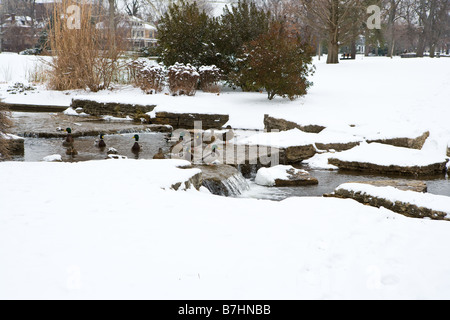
point(406, 202)
point(53, 158)
point(376, 157)
point(284, 176)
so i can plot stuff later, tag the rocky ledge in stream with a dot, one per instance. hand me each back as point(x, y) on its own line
point(404, 197)
point(284, 176)
point(222, 180)
point(387, 159)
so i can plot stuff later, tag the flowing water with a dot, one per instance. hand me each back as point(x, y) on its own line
point(330, 180)
point(38, 148)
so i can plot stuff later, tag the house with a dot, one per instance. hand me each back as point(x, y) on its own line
point(142, 34)
point(138, 33)
point(18, 33)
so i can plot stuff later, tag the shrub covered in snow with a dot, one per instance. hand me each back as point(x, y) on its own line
point(209, 78)
point(149, 78)
point(183, 79)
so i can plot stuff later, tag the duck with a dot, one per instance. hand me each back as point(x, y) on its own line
point(212, 157)
point(68, 141)
point(100, 143)
point(159, 155)
point(229, 135)
point(168, 137)
point(211, 139)
point(178, 144)
point(71, 151)
point(136, 147)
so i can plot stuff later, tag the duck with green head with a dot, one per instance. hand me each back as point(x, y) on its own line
point(213, 157)
point(68, 141)
point(100, 143)
point(136, 147)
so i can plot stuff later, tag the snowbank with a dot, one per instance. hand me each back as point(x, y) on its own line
point(106, 230)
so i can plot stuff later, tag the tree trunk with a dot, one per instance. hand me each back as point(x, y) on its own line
point(333, 34)
point(112, 23)
point(353, 49)
point(333, 52)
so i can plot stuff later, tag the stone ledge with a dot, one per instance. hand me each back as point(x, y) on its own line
point(187, 120)
point(412, 143)
point(431, 169)
point(114, 109)
point(271, 123)
point(404, 208)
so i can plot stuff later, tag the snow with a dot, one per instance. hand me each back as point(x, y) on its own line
point(296, 137)
point(53, 157)
point(426, 200)
point(114, 229)
point(106, 230)
point(267, 176)
point(387, 155)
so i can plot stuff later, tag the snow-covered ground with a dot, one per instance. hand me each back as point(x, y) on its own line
point(114, 229)
point(106, 229)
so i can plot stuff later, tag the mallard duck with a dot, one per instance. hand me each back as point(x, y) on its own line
point(168, 137)
point(159, 155)
point(71, 151)
point(136, 147)
point(68, 141)
point(178, 144)
point(212, 157)
point(100, 143)
point(229, 135)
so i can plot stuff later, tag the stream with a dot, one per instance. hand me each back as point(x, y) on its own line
point(38, 148)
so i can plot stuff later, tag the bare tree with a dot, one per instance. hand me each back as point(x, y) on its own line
point(155, 9)
point(332, 17)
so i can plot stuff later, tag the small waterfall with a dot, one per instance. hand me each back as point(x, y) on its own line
point(224, 180)
point(236, 185)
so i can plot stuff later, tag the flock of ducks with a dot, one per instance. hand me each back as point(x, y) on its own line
point(185, 145)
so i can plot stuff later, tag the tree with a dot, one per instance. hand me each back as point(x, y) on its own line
point(279, 62)
point(242, 24)
point(332, 17)
point(186, 35)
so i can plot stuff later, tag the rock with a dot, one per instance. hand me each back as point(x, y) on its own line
point(271, 123)
point(16, 145)
point(187, 120)
point(53, 158)
point(223, 180)
point(121, 110)
point(284, 176)
point(413, 143)
point(400, 201)
point(386, 159)
point(431, 169)
point(296, 154)
point(405, 185)
point(337, 146)
point(194, 182)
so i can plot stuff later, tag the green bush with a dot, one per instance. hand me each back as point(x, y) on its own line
point(186, 35)
point(277, 61)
